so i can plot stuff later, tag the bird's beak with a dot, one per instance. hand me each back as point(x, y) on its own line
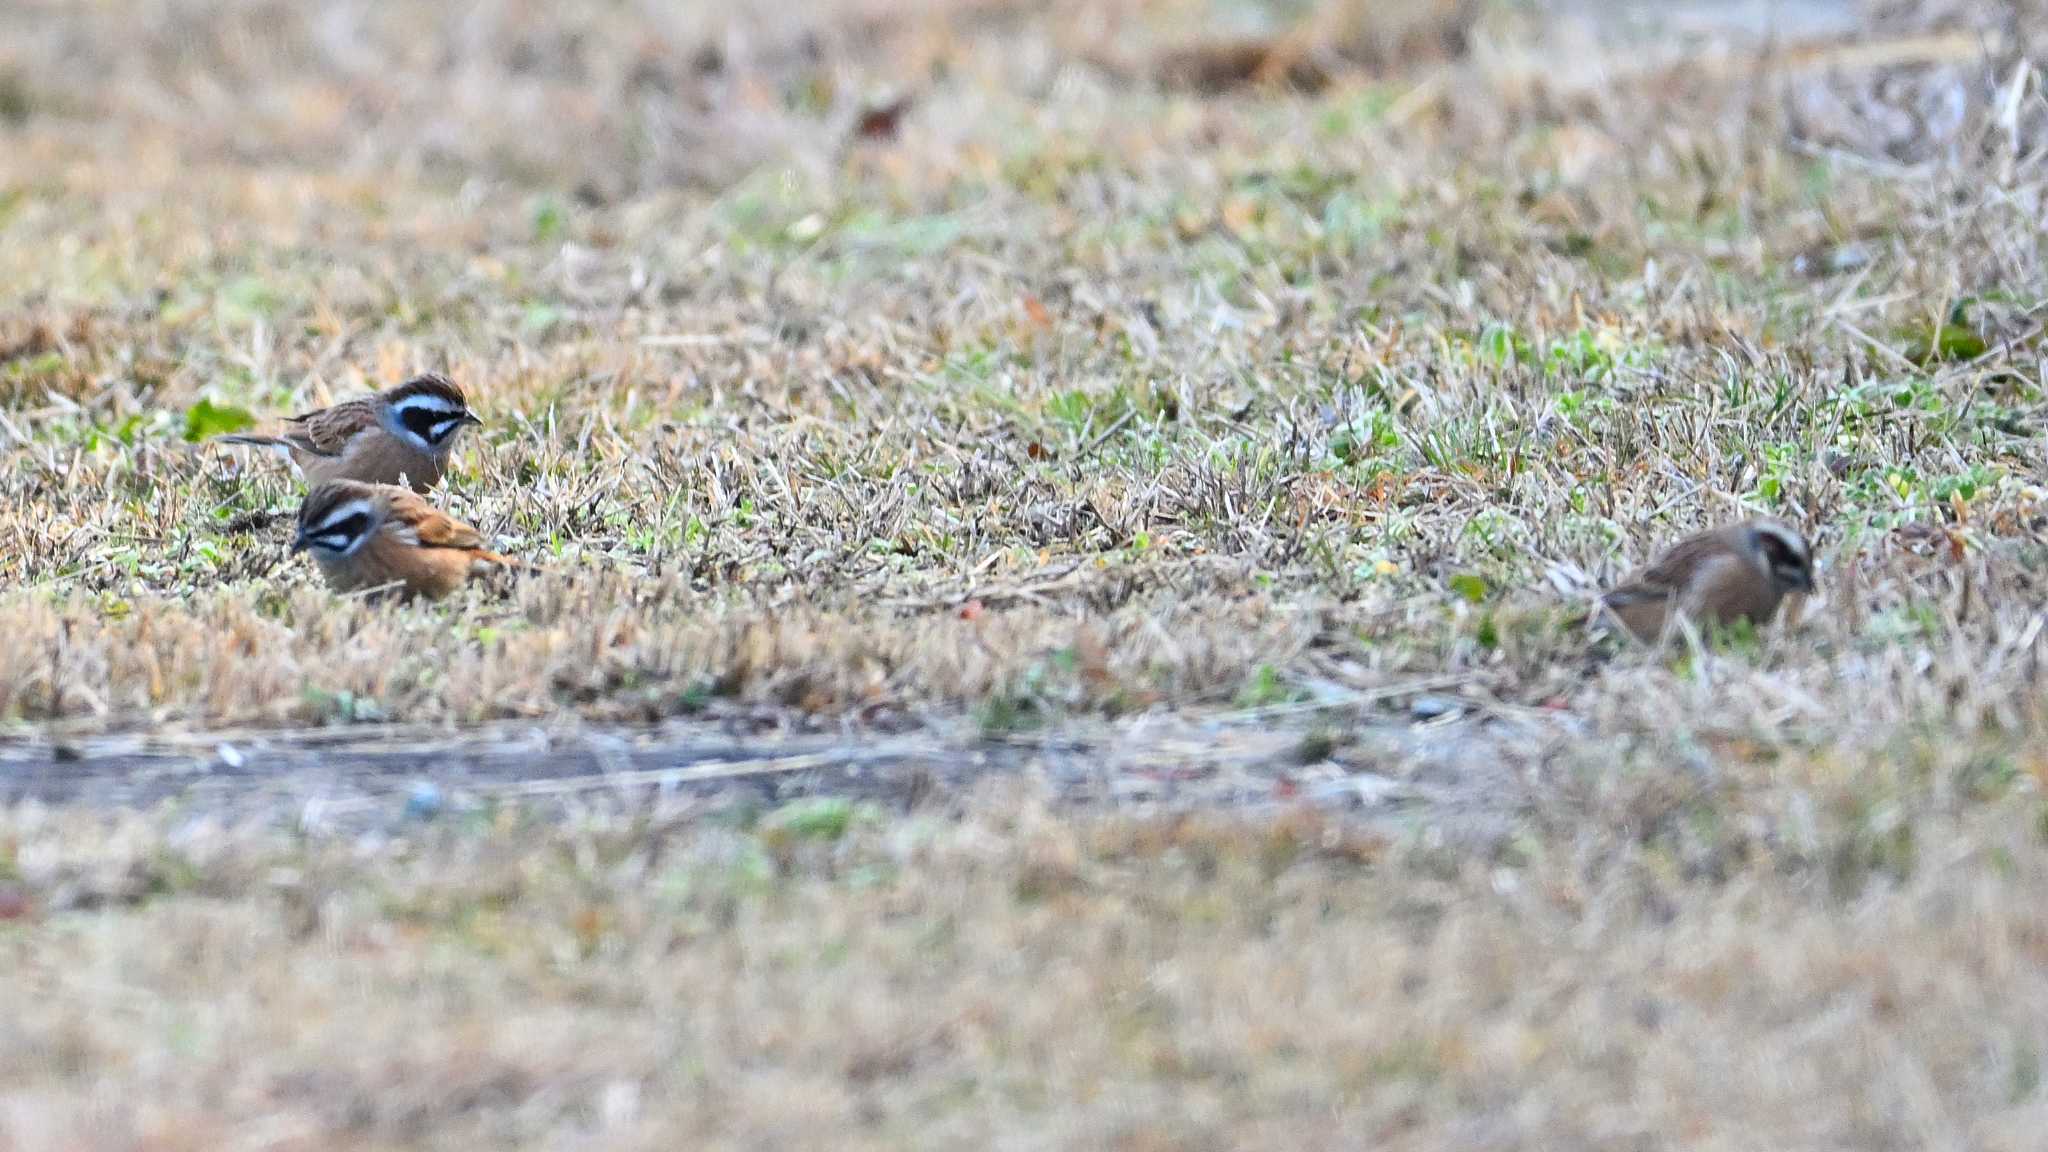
point(472, 419)
point(300, 543)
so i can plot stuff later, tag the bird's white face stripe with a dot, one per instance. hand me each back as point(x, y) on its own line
point(335, 542)
point(430, 402)
point(1790, 540)
point(427, 419)
point(336, 533)
point(1784, 555)
point(340, 513)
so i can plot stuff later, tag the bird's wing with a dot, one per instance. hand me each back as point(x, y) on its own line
point(328, 431)
point(431, 526)
point(1677, 568)
point(1641, 590)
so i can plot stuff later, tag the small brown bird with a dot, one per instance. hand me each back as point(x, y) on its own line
point(401, 435)
point(366, 536)
point(1740, 572)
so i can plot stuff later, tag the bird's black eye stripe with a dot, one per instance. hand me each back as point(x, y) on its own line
point(1786, 562)
point(429, 424)
point(344, 530)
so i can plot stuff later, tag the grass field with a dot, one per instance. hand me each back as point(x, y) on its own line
point(1233, 406)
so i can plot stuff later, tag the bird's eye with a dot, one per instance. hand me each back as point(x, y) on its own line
point(429, 424)
point(1780, 554)
point(338, 534)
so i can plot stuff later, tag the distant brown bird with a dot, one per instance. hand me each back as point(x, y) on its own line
point(1738, 572)
point(366, 536)
point(402, 435)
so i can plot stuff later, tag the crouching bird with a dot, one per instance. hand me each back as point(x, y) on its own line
point(1741, 572)
point(365, 536)
point(402, 435)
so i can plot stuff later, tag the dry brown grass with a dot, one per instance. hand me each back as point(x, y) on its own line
point(1018, 979)
point(1067, 398)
